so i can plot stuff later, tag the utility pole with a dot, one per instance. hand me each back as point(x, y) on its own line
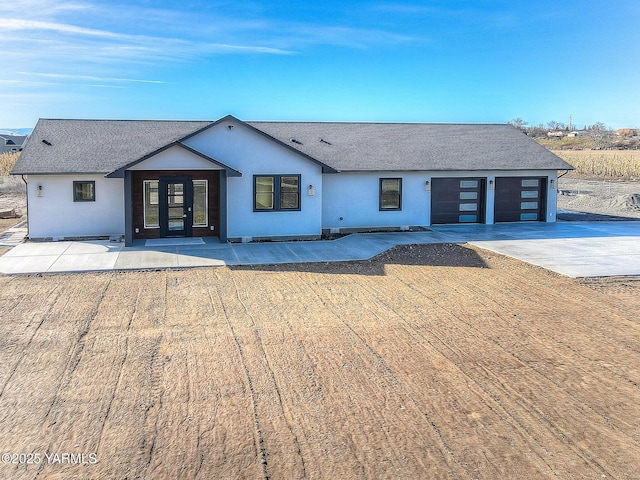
point(570, 123)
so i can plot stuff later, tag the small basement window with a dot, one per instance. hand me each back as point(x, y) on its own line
point(84, 191)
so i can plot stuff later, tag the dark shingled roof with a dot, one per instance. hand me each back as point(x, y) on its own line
point(415, 146)
point(96, 146)
point(103, 146)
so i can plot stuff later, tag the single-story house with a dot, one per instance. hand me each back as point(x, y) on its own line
point(12, 143)
point(244, 181)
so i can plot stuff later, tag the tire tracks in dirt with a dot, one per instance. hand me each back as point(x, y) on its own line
point(15, 309)
point(441, 377)
point(302, 473)
point(526, 321)
point(261, 450)
point(281, 328)
point(457, 289)
point(343, 366)
point(335, 297)
point(615, 330)
point(77, 348)
point(459, 311)
point(118, 383)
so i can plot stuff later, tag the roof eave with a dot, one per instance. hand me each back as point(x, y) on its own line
point(471, 169)
point(58, 173)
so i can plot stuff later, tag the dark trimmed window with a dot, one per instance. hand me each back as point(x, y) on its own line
point(84, 191)
point(390, 194)
point(273, 193)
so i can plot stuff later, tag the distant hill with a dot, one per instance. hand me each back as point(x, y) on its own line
point(16, 131)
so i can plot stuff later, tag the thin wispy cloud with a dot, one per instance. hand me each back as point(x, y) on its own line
point(143, 43)
point(98, 37)
point(19, 24)
point(89, 77)
point(95, 33)
point(42, 8)
point(342, 36)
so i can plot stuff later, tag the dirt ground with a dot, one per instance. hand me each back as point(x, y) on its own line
point(438, 361)
point(12, 197)
point(598, 198)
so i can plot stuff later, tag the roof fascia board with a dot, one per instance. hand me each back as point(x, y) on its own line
point(39, 174)
point(488, 170)
point(227, 118)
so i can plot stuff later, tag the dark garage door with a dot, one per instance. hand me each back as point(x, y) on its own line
point(520, 199)
point(457, 200)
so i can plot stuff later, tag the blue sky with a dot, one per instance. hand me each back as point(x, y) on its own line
point(387, 60)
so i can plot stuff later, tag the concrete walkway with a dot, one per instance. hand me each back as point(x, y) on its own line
point(576, 249)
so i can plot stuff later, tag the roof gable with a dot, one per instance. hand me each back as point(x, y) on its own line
point(230, 120)
point(231, 172)
point(13, 139)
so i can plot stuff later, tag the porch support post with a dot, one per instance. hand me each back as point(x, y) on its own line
point(223, 206)
point(128, 210)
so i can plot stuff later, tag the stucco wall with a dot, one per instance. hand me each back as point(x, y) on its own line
point(355, 198)
point(253, 154)
point(176, 158)
point(55, 214)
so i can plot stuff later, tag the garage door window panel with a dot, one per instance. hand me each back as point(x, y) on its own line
point(468, 207)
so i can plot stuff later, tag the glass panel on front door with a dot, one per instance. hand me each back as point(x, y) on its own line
point(175, 206)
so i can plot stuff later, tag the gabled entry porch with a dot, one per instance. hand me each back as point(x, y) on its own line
point(174, 203)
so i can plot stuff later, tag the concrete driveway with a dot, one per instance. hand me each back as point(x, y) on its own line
point(575, 249)
point(589, 249)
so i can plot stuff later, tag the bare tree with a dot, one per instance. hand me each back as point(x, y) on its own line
point(553, 125)
point(598, 127)
point(518, 123)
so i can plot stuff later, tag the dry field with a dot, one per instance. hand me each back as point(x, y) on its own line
point(428, 362)
point(603, 163)
point(7, 161)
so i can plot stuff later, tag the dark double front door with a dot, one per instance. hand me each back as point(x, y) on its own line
point(175, 206)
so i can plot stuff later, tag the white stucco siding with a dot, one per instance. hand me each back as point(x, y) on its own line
point(253, 154)
point(552, 197)
point(176, 158)
point(351, 200)
point(55, 214)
